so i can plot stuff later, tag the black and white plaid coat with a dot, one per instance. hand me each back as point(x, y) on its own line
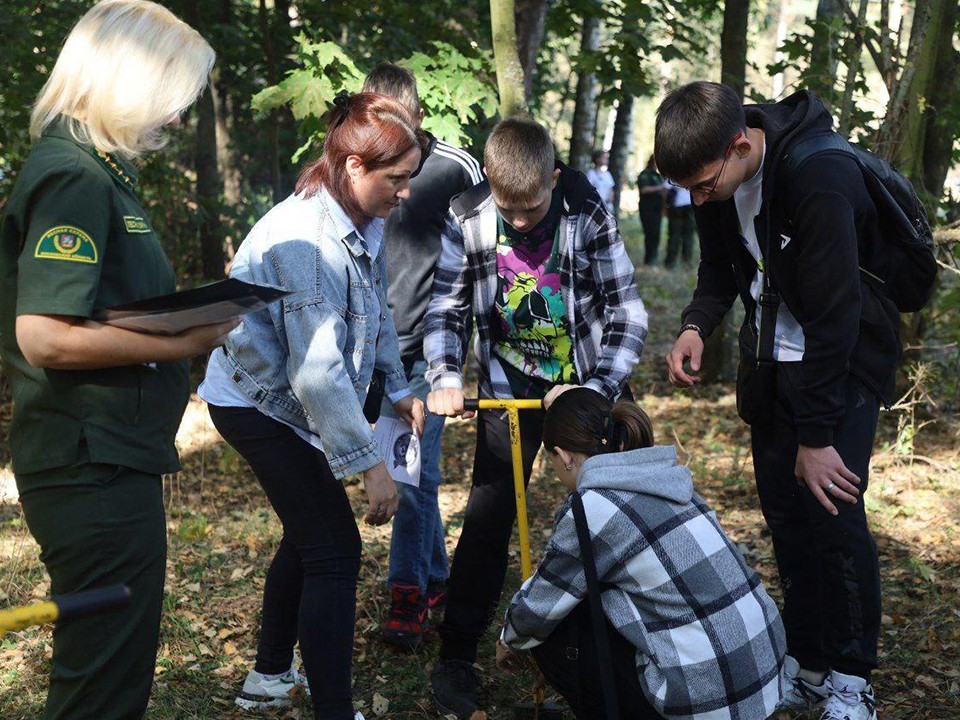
point(709, 640)
point(608, 320)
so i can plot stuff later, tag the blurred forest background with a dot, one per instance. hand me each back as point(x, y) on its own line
point(593, 72)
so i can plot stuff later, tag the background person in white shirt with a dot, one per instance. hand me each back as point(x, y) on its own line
point(600, 177)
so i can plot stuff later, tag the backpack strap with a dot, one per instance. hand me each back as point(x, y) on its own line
point(596, 610)
point(797, 153)
point(803, 149)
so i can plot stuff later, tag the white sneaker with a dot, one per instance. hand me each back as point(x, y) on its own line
point(259, 692)
point(851, 698)
point(798, 693)
point(358, 716)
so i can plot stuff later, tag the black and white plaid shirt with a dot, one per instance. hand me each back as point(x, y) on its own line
point(709, 640)
point(597, 280)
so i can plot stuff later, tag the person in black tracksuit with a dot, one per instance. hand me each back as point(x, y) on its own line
point(836, 349)
point(418, 568)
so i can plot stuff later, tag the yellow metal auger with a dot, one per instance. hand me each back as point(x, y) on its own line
point(538, 709)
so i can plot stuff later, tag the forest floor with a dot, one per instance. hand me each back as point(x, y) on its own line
point(222, 535)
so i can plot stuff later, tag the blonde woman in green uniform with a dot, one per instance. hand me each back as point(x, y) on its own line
point(96, 407)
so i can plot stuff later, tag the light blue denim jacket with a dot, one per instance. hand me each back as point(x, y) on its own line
point(308, 359)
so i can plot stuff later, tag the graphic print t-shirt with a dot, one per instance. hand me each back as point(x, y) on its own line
point(530, 323)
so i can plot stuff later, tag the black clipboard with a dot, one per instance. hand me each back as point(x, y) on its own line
point(206, 305)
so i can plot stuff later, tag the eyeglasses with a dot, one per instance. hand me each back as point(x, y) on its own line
point(699, 187)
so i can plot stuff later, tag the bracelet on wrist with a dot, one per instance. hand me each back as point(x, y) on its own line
point(695, 328)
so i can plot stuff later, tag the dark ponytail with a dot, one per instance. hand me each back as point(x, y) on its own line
point(584, 421)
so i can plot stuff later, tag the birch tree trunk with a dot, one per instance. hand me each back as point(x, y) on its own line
point(585, 111)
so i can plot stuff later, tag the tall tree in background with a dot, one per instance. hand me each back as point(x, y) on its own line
point(935, 21)
point(825, 50)
point(206, 161)
point(531, 16)
point(510, 76)
point(733, 44)
point(585, 110)
point(943, 106)
point(620, 146)
point(209, 187)
point(717, 351)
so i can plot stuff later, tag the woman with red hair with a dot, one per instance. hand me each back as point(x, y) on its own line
point(288, 392)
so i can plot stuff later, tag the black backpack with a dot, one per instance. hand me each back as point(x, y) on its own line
point(902, 219)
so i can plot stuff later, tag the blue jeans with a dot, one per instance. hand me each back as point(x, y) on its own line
point(418, 553)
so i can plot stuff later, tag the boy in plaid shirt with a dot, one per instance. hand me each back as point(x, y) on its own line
point(535, 260)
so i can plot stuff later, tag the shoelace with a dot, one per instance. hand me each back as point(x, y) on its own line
point(841, 700)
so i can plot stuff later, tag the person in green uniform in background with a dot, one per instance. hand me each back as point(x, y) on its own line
point(652, 193)
point(96, 407)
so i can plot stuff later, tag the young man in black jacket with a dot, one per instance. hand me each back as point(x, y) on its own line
point(800, 236)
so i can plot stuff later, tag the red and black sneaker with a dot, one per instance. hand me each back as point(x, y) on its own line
point(407, 621)
point(436, 595)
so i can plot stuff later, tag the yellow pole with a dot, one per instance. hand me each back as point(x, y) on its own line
point(507, 404)
point(23, 617)
point(520, 495)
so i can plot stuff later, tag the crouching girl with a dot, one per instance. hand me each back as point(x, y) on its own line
point(691, 631)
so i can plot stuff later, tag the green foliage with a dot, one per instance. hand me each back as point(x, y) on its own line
point(456, 90)
point(32, 35)
point(324, 69)
point(797, 53)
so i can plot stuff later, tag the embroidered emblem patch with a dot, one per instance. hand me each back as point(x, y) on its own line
point(66, 242)
point(135, 224)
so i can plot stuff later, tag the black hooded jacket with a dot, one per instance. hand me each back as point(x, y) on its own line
point(816, 228)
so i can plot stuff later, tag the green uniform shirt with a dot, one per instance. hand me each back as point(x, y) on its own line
point(650, 202)
point(74, 238)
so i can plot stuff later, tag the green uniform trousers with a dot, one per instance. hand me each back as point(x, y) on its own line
point(101, 525)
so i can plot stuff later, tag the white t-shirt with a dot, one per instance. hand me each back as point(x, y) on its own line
point(788, 341)
point(681, 196)
point(602, 180)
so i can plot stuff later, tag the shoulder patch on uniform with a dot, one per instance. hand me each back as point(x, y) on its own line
point(66, 242)
point(135, 224)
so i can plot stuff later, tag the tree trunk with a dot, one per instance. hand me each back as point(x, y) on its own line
point(717, 353)
point(892, 132)
point(620, 147)
point(209, 185)
point(855, 50)
point(825, 53)
point(585, 111)
point(510, 77)
point(229, 172)
point(733, 44)
point(910, 150)
point(941, 135)
point(283, 49)
point(273, 126)
point(531, 17)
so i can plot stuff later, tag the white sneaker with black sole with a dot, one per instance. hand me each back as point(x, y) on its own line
point(800, 695)
point(261, 692)
point(851, 698)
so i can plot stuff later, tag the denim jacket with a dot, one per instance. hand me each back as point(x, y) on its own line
point(308, 359)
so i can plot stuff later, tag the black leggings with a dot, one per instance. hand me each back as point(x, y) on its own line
point(569, 661)
point(311, 588)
